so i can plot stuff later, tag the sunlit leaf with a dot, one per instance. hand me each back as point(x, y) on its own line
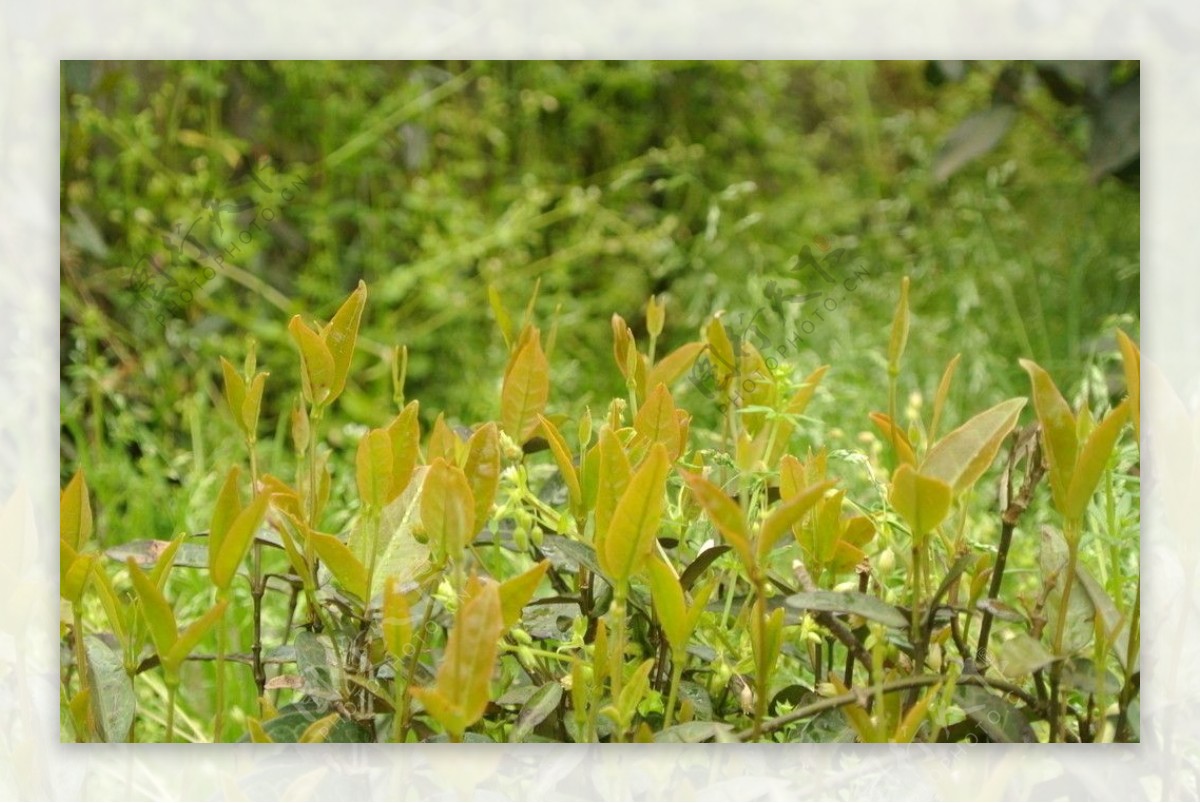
point(236, 542)
point(373, 468)
point(960, 458)
point(155, 610)
point(341, 335)
point(1132, 362)
point(614, 473)
point(655, 421)
point(672, 367)
point(75, 513)
point(526, 390)
point(896, 437)
point(317, 374)
point(562, 457)
point(396, 622)
point(1093, 457)
point(724, 513)
point(788, 513)
point(350, 573)
point(1058, 430)
point(447, 509)
point(482, 469)
point(192, 634)
point(922, 501)
point(669, 603)
point(636, 518)
point(405, 435)
point(517, 591)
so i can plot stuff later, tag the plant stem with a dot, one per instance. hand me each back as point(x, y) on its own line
point(81, 664)
point(171, 687)
point(617, 654)
point(762, 670)
point(1057, 723)
point(219, 715)
point(402, 712)
point(257, 585)
point(677, 661)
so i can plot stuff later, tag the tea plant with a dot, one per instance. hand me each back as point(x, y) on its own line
point(568, 575)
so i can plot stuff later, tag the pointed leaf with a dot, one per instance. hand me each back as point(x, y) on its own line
point(614, 472)
point(348, 570)
point(526, 390)
point(226, 509)
point(541, 704)
point(1093, 457)
point(724, 513)
point(656, 422)
point(895, 436)
point(787, 514)
point(155, 609)
point(405, 435)
point(669, 604)
point(516, 592)
point(960, 458)
point(1132, 361)
point(636, 518)
point(236, 542)
point(447, 509)
point(373, 468)
point(1058, 430)
point(672, 367)
point(341, 335)
point(317, 367)
point(899, 329)
point(467, 662)
point(864, 605)
point(192, 634)
point(939, 398)
point(75, 513)
point(235, 392)
point(562, 457)
point(482, 468)
point(252, 405)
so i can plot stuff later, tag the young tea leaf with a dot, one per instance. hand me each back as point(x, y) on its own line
point(562, 457)
point(960, 458)
point(482, 468)
point(447, 509)
point(669, 604)
point(75, 513)
point(724, 513)
point(236, 542)
point(348, 570)
point(922, 501)
point(316, 362)
point(526, 390)
point(636, 518)
point(1058, 430)
point(517, 591)
point(1092, 459)
point(341, 335)
point(373, 464)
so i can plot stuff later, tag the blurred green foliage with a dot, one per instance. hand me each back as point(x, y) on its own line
point(287, 182)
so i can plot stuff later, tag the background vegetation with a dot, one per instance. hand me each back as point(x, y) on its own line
point(268, 189)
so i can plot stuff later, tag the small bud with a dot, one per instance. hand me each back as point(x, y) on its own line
point(655, 315)
point(886, 562)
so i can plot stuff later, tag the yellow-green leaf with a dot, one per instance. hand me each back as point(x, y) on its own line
point(316, 362)
point(636, 518)
point(258, 733)
point(405, 434)
point(75, 513)
point(899, 330)
point(562, 457)
point(155, 609)
point(397, 620)
point(656, 422)
point(502, 317)
point(226, 509)
point(960, 458)
point(340, 336)
point(669, 604)
point(319, 730)
point(1092, 459)
point(191, 635)
point(75, 573)
point(373, 468)
point(921, 501)
point(622, 344)
point(1058, 430)
point(348, 570)
point(465, 673)
point(235, 392)
point(236, 542)
point(788, 513)
point(720, 352)
point(482, 468)
point(1132, 360)
point(443, 441)
point(251, 406)
point(656, 312)
point(724, 513)
point(526, 390)
point(517, 591)
point(895, 437)
point(613, 479)
point(447, 509)
point(939, 398)
point(670, 368)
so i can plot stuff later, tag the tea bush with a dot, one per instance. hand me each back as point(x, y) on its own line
point(622, 572)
